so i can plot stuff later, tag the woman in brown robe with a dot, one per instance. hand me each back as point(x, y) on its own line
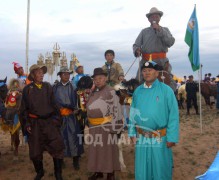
point(105, 123)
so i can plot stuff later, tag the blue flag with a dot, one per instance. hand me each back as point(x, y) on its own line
point(192, 40)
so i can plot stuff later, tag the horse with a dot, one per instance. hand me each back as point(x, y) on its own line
point(181, 96)
point(3, 94)
point(124, 92)
point(11, 121)
point(3, 88)
point(129, 86)
point(208, 90)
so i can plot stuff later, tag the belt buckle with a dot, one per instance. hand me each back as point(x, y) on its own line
point(147, 134)
point(158, 137)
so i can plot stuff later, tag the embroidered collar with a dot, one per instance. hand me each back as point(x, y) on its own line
point(99, 89)
point(147, 87)
point(64, 84)
point(39, 86)
point(109, 64)
point(152, 85)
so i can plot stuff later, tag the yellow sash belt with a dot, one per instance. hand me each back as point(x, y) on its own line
point(99, 121)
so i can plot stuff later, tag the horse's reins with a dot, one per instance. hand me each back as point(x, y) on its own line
point(131, 66)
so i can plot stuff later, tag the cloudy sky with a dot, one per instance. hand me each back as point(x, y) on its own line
point(89, 27)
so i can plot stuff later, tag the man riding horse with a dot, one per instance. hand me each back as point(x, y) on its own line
point(153, 43)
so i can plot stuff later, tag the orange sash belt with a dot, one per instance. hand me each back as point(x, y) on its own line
point(99, 121)
point(33, 116)
point(152, 134)
point(39, 116)
point(152, 56)
point(65, 111)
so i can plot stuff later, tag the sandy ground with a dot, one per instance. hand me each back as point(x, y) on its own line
point(192, 155)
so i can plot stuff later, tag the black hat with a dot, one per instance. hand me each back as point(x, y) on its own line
point(151, 64)
point(191, 76)
point(99, 71)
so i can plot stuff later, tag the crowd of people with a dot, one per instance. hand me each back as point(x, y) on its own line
point(48, 113)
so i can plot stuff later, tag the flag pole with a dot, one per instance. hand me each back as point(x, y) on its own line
point(139, 69)
point(192, 40)
point(27, 36)
point(200, 97)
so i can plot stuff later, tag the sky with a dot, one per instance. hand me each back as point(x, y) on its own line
point(88, 28)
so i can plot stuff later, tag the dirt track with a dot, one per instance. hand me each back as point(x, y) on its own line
point(192, 156)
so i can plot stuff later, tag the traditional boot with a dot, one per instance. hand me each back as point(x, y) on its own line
point(188, 113)
point(58, 168)
point(110, 176)
point(76, 162)
point(197, 111)
point(38, 165)
point(96, 176)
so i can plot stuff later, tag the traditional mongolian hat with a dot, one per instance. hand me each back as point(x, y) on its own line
point(99, 71)
point(34, 67)
point(154, 10)
point(64, 69)
point(151, 64)
point(16, 66)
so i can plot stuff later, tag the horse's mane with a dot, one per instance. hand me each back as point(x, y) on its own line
point(131, 85)
point(14, 84)
point(85, 82)
point(3, 89)
point(131, 82)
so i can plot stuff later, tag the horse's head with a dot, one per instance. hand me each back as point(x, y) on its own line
point(85, 82)
point(126, 89)
point(119, 88)
point(3, 81)
point(131, 85)
point(3, 89)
